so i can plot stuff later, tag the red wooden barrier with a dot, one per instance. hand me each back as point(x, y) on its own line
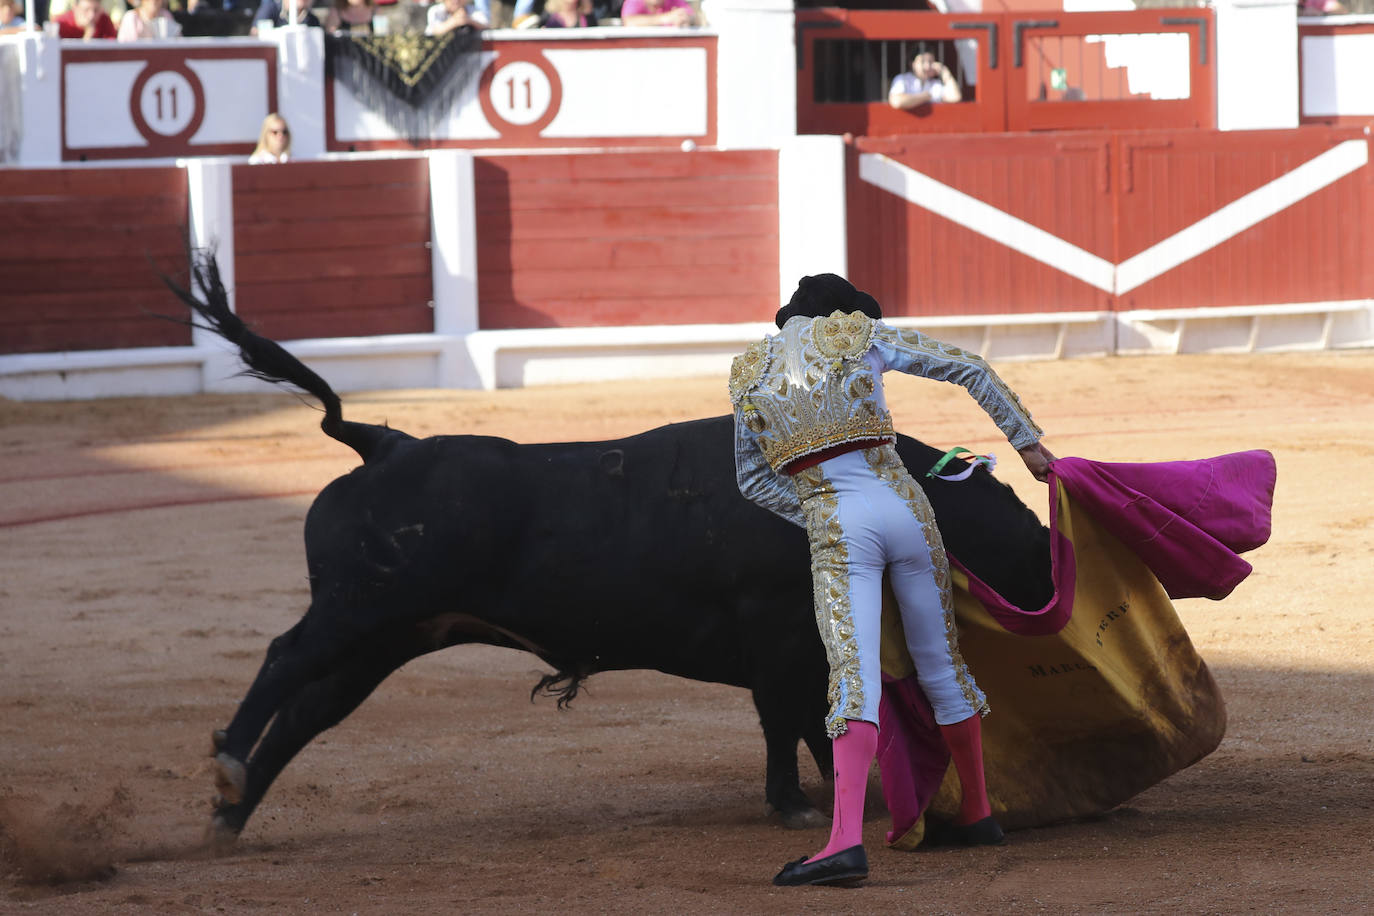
point(82, 252)
point(627, 239)
point(1314, 250)
point(922, 262)
point(1102, 220)
point(333, 249)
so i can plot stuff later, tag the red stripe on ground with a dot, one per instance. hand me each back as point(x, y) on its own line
point(188, 501)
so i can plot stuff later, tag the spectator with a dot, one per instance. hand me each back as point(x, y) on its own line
point(274, 143)
point(279, 14)
point(9, 16)
point(566, 14)
point(675, 13)
point(448, 15)
point(113, 8)
point(85, 20)
point(149, 19)
point(351, 16)
point(928, 80)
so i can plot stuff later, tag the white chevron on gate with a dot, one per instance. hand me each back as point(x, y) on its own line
point(1202, 236)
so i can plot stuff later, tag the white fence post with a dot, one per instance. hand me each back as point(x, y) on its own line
point(453, 256)
point(210, 198)
point(813, 232)
point(30, 84)
point(453, 240)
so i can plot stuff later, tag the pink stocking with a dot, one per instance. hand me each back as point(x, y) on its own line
point(854, 752)
point(965, 740)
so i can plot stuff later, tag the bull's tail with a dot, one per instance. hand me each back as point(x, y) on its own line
point(266, 359)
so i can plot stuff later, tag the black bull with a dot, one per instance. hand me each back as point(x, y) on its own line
point(594, 556)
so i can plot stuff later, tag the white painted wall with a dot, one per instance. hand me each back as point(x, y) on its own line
point(812, 223)
point(1338, 74)
point(658, 92)
point(300, 82)
point(1257, 64)
point(756, 71)
point(36, 97)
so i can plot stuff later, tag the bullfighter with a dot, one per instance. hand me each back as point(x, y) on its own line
point(814, 444)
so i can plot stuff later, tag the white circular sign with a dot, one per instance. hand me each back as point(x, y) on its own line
point(520, 93)
point(167, 102)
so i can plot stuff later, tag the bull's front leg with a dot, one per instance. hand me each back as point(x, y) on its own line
point(784, 710)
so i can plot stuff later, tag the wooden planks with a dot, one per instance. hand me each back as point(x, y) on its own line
point(627, 238)
point(333, 249)
point(1167, 218)
point(82, 254)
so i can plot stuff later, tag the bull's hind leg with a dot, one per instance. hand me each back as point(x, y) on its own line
point(302, 654)
point(319, 705)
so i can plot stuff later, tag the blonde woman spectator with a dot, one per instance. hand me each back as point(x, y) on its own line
point(149, 19)
point(453, 14)
point(274, 143)
point(675, 13)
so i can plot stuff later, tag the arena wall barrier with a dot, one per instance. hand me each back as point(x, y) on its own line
point(476, 270)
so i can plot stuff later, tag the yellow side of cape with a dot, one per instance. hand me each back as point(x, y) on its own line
point(1082, 720)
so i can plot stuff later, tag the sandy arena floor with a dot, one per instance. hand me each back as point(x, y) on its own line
point(150, 549)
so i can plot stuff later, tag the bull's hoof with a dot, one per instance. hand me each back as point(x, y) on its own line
point(220, 837)
point(230, 779)
point(218, 739)
point(801, 818)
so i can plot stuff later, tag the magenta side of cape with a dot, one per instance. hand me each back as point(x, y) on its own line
point(1186, 520)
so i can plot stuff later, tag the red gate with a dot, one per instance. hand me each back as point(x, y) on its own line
point(1019, 71)
point(1111, 220)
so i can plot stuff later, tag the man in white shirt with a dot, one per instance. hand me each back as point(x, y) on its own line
point(927, 81)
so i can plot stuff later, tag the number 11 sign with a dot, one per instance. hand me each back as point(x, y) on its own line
point(520, 92)
point(168, 103)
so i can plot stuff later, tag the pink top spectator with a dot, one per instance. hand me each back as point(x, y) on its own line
point(641, 8)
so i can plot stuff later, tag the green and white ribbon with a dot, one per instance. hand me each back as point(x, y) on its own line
point(988, 461)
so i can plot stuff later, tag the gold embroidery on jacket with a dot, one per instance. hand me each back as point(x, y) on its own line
point(887, 465)
point(808, 388)
point(843, 336)
point(747, 369)
point(830, 593)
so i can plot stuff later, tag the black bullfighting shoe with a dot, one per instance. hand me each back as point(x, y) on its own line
point(848, 866)
point(986, 832)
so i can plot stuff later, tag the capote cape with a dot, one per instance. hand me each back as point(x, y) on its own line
point(1099, 694)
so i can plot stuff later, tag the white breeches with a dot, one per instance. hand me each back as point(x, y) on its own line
point(864, 515)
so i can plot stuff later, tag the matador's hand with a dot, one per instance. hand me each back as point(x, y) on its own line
point(1037, 459)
